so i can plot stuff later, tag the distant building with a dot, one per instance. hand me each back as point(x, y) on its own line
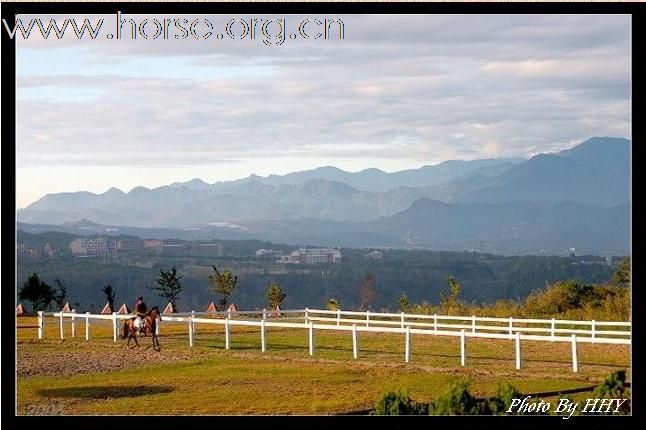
point(312, 256)
point(153, 245)
point(124, 245)
point(35, 252)
point(375, 255)
point(268, 253)
point(174, 248)
point(93, 247)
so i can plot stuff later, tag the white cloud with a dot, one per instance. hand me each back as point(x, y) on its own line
point(399, 91)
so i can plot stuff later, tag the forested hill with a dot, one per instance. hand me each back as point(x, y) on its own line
point(420, 274)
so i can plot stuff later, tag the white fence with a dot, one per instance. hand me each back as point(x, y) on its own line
point(437, 325)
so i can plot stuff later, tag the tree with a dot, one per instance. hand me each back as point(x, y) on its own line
point(622, 275)
point(367, 293)
point(109, 296)
point(39, 293)
point(451, 301)
point(169, 286)
point(223, 283)
point(404, 303)
point(275, 295)
point(333, 304)
point(61, 295)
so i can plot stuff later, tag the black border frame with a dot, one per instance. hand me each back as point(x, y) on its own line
point(8, 134)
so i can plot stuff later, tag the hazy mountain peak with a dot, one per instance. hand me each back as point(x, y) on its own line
point(599, 148)
point(327, 186)
point(113, 191)
point(139, 189)
point(329, 169)
point(373, 170)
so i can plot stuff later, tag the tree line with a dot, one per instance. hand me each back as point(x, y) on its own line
point(567, 298)
point(168, 286)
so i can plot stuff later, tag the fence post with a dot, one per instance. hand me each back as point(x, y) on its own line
point(74, 323)
point(338, 317)
point(114, 326)
point(229, 313)
point(517, 350)
point(463, 341)
point(407, 353)
point(311, 338)
point(193, 322)
point(435, 323)
point(593, 330)
point(355, 348)
point(87, 326)
point(473, 324)
point(307, 316)
point(190, 331)
point(264, 314)
point(575, 364)
point(61, 323)
point(402, 320)
point(263, 345)
point(367, 318)
point(159, 320)
point(511, 326)
point(226, 333)
point(41, 323)
point(553, 330)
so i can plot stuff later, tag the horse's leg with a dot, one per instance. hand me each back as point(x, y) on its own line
point(130, 338)
point(136, 341)
point(155, 342)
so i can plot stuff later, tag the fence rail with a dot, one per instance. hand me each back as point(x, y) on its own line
point(375, 322)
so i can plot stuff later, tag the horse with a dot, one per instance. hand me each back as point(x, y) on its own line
point(149, 321)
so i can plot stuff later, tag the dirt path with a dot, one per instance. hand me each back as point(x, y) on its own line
point(102, 359)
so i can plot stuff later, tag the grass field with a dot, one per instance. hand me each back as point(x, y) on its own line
point(100, 377)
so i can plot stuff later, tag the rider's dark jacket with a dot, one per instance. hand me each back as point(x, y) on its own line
point(140, 308)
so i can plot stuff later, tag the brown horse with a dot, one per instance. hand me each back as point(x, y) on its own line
point(149, 328)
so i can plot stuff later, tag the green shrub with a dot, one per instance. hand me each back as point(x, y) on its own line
point(499, 404)
point(458, 401)
point(614, 387)
point(399, 403)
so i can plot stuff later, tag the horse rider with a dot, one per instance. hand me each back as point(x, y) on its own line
point(140, 310)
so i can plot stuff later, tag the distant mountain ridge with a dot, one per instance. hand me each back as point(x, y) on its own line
point(589, 180)
point(509, 228)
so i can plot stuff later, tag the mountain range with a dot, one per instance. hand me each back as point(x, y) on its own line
point(574, 198)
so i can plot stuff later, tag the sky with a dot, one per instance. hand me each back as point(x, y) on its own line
point(397, 92)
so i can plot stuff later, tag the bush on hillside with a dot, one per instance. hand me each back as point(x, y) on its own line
point(398, 403)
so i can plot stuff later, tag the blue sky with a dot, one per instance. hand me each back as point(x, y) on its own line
point(398, 92)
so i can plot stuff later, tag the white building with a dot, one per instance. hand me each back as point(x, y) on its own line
point(312, 256)
point(93, 247)
point(268, 253)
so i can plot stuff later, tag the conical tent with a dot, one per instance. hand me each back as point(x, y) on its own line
point(232, 309)
point(169, 309)
point(123, 310)
point(211, 307)
point(106, 309)
point(20, 309)
point(275, 312)
point(66, 308)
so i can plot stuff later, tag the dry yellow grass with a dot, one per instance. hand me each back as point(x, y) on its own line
point(207, 379)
